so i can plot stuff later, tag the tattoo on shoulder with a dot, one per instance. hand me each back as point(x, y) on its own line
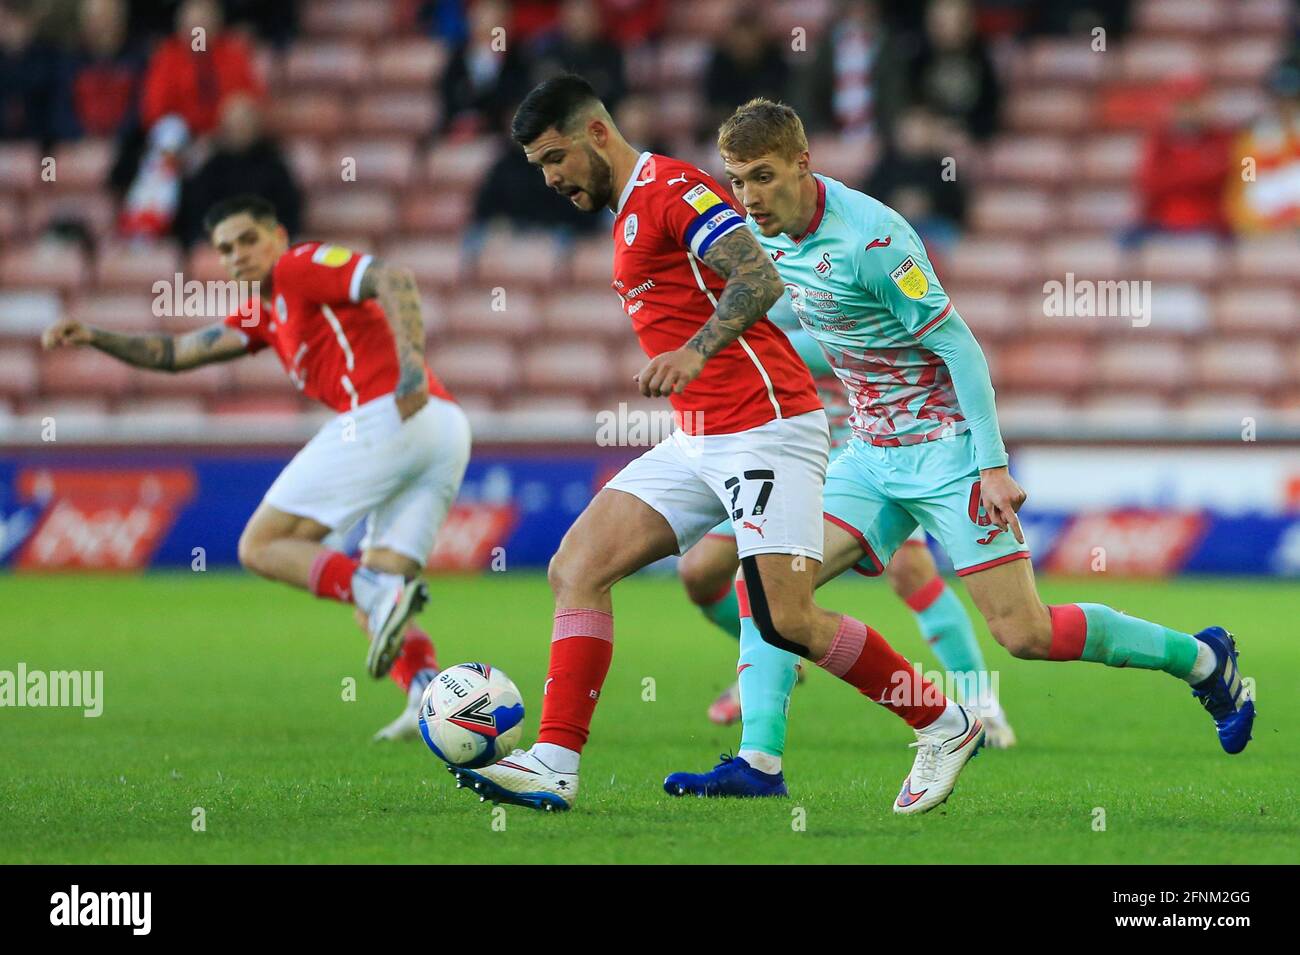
point(737, 252)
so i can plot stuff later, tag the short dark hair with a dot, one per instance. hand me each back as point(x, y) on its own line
point(257, 207)
point(554, 103)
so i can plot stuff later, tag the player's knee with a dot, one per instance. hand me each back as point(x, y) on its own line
point(570, 573)
point(787, 624)
point(703, 586)
point(1021, 637)
point(250, 552)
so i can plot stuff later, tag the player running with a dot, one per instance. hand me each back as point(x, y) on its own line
point(926, 446)
point(348, 330)
point(751, 446)
point(708, 571)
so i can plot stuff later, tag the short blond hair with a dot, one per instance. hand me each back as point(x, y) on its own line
point(762, 127)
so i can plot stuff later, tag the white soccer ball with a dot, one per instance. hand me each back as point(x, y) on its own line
point(471, 715)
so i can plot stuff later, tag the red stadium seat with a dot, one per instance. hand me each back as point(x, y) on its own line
point(461, 165)
point(260, 373)
point(592, 261)
point(1238, 105)
point(845, 159)
point(1035, 412)
point(326, 63)
point(1125, 413)
point(1266, 310)
point(428, 211)
point(987, 310)
point(575, 367)
point(96, 210)
point(84, 164)
point(354, 209)
point(1173, 17)
point(116, 311)
point(347, 18)
point(477, 366)
point(204, 265)
point(306, 160)
point(257, 407)
point(518, 260)
point(412, 62)
point(1152, 365)
point(18, 371)
point(152, 413)
point(1261, 15)
point(1246, 59)
point(683, 62)
point(1244, 365)
point(20, 167)
point(413, 112)
point(1086, 258)
point(813, 16)
point(1048, 160)
point(306, 112)
point(708, 21)
point(493, 312)
point(679, 113)
point(1045, 366)
point(1183, 259)
point(1111, 158)
point(629, 359)
point(206, 380)
point(1222, 412)
point(1175, 309)
point(1144, 59)
point(25, 313)
point(137, 266)
point(1003, 263)
point(374, 161)
point(1050, 110)
point(1100, 210)
point(436, 263)
point(56, 265)
point(84, 372)
point(598, 314)
point(1266, 257)
point(1061, 60)
point(1012, 211)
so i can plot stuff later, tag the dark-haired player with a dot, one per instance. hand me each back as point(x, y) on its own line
point(348, 330)
point(751, 446)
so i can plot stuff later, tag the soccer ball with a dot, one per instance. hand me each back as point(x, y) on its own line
point(471, 715)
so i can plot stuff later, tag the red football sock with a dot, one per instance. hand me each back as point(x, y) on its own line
point(922, 597)
point(862, 658)
point(331, 575)
point(1069, 632)
point(417, 654)
point(582, 643)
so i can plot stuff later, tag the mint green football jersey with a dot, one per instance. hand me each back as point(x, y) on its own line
point(859, 281)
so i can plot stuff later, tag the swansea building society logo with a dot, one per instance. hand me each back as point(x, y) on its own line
point(103, 908)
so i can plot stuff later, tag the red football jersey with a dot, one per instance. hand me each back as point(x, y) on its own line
point(669, 216)
point(335, 348)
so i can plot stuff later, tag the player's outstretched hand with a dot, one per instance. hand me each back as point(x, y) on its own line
point(66, 333)
point(670, 373)
point(1002, 497)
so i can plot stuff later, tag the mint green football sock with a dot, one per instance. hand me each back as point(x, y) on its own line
point(767, 675)
point(1118, 640)
point(947, 628)
point(724, 613)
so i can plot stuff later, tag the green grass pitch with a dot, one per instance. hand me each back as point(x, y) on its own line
point(226, 693)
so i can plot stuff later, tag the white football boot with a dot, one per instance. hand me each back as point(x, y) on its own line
point(939, 760)
point(407, 724)
point(392, 601)
point(520, 779)
point(998, 733)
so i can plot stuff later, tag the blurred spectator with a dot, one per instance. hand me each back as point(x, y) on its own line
point(630, 23)
point(853, 75)
point(486, 76)
point(194, 70)
point(444, 20)
point(637, 120)
point(275, 22)
point(100, 83)
point(910, 179)
point(1271, 201)
point(745, 63)
point(153, 199)
point(1080, 17)
point(531, 20)
point(579, 48)
point(952, 74)
point(1184, 168)
point(28, 75)
point(243, 160)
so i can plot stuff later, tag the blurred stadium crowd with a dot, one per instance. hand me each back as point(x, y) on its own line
point(1025, 146)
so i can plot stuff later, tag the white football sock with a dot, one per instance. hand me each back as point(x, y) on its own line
point(367, 583)
point(763, 762)
point(1204, 666)
point(950, 723)
point(559, 758)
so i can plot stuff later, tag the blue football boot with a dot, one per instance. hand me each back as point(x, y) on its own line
point(1222, 693)
point(731, 777)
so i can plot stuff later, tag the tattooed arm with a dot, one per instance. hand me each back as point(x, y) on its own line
point(217, 342)
point(394, 286)
point(753, 286)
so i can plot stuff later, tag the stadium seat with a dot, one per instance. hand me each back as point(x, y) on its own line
point(375, 161)
point(257, 407)
point(436, 263)
point(306, 112)
point(116, 311)
point(493, 312)
point(629, 359)
point(1182, 259)
point(83, 164)
point(84, 372)
point(137, 266)
point(1061, 60)
point(518, 260)
point(20, 167)
point(576, 367)
point(1264, 310)
point(1237, 105)
point(427, 211)
point(1045, 366)
point(1111, 158)
point(206, 380)
point(689, 18)
point(204, 265)
point(1012, 211)
point(259, 374)
point(813, 16)
point(1175, 309)
point(1245, 59)
point(1220, 413)
point(1086, 258)
point(1261, 15)
point(477, 366)
point(679, 113)
point(683, 63)
point(1266, 257)
point(57, 265)
point(412, 112)
point(412, 63)
point(988, 311)
point(1003, 263)
point(1049, 110)
point(96, 210)
point(1124, 413)
point(461, 165)
point(12, 226)
point(1147, 59)
point(1243, 365)
point(1178, 17)
point(306, 161)
point(845, 159)
point(1100, 210)
point(25, 313)
point(19, 376)
point(326, 63)
point(592, 261)
point(346, 18)
point(355, 209)
point(598, 314)
point(170, 412)
point(1034, 412)
point(1155, 365)
point(1046, 160)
